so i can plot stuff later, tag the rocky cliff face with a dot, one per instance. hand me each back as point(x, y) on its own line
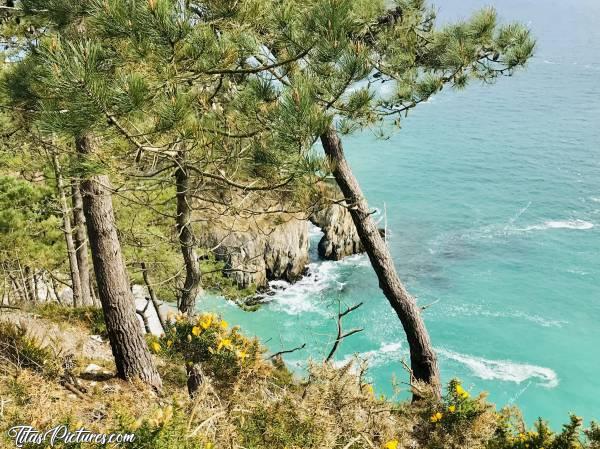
point(258, 254)
point(340, 238)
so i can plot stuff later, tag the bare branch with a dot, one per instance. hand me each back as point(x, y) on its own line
point(340, 334)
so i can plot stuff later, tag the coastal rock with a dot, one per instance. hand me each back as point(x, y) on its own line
point(259, 254)
point(340, 238)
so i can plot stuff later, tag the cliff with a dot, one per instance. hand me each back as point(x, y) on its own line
point(340, 238)
point(258, 248)
point(258, 253)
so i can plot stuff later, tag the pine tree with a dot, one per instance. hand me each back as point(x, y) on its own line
point(58, 88)
point(365, 47)
point(239, 91)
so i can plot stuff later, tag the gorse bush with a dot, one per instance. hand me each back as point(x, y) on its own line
point(208, 339)
point(278, 425)
point(164, 428)
point(512, 434)
point(20, 350)
point(246, 400)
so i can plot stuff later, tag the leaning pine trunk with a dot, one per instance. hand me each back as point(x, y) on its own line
point(81, 244)
point(423, 359)
point(191, 286)
point(68, 231)
point(132, 357)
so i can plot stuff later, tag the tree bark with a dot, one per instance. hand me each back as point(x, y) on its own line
point(68, 231)
point(81, 244)
point(195, 379)
point(129, 348)
point(423, 359)
point(193, 276)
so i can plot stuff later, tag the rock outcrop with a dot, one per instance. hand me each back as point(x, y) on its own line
point(258, 254)
point(340, 238)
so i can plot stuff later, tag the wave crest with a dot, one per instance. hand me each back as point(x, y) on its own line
point(561, 224)
point(504, 370)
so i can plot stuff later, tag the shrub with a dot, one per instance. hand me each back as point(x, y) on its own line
point(208, 339)
point(21, 350)
point(278, 425)
point(457, 421)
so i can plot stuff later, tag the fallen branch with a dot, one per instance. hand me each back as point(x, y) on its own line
point(4, 306)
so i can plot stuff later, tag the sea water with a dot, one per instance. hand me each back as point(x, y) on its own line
point(492, 204)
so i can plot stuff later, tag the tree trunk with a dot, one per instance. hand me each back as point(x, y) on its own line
point(36, 286)
point(55, 289)
point(129, 348)
point(423, 359)
point(30, 284)
point(5, 291)
point(152, 294)
point(81, 244)
point(195, 378)
point(191, 286)
point(68, 231)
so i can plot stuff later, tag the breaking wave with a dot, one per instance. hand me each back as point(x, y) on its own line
point(504, 370)
point(561, 224)
point(377, 357)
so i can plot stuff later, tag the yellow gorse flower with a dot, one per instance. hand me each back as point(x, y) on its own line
point(169, 343)
point(196, 330)
point(205, 321)
point(436, 417)
point(155, 346)
point(392, 444)
point(460, 391)
point(224, 324)
point(224, 343)
point(452, 408)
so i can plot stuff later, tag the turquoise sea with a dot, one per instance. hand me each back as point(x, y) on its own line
point(492, 201)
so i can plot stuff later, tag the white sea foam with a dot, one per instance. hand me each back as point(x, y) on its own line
point(595, 199)
point(504, 370)
point(475, 310)
point(302, 296)
point(386, 353)
point(322, 276)
point(561, 224)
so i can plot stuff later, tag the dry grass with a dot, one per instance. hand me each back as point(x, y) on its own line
point(264, 407)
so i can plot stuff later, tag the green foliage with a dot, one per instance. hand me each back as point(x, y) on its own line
point(213, 279)
point(457, 421)
point(29, 226)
